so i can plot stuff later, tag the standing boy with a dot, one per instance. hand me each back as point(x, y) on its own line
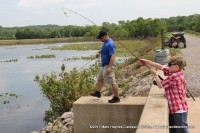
point(175, 91)
point(106, 74)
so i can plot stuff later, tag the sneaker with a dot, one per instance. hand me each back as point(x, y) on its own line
point(96, 94)
point(114, 100)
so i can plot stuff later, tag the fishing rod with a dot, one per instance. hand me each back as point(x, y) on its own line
point(65, 12)
point(86, 64)
point(65, 9)
point(117, 41)
point(63, 66)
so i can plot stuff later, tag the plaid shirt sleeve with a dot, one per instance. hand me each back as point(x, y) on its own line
point(166, 71)
point(166, 83)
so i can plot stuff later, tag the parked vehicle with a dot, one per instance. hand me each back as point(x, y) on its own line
point(176, 41)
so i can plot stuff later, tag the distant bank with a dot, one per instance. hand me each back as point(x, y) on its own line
point(49, 40)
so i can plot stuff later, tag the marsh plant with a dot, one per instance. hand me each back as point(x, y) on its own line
point(41, 56)
point(91, 57)
point(6, 61)
point(5, 98)
point(136, 46)
point(81, 47)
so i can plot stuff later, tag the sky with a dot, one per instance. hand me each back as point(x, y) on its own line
point(43, 12)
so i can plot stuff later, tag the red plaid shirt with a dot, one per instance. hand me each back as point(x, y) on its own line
point(175, 90)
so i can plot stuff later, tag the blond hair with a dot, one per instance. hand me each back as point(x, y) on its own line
point(178, 60)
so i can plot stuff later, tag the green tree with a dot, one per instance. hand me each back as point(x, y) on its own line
point(197, 24)
point(55, 34)
point(120, 32)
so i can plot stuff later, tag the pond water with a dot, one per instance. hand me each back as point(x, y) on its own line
point(25, 113)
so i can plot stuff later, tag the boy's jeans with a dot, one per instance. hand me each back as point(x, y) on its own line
point(179, 120)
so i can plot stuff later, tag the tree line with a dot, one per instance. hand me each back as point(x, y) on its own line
point(135, 28)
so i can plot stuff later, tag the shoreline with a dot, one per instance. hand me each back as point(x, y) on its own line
point(57, 40)
point(46, 41)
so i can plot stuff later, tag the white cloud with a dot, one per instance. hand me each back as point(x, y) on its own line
point(36, 3)
point(28, 19)
point(39, 13)
point(49, 11)
point(82, 6)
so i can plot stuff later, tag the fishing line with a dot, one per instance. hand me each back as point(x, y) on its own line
point(65, 9)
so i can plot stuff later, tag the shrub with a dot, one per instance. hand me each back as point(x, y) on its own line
point(64, 88)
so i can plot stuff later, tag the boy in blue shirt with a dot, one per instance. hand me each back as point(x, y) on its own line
point(106, 74)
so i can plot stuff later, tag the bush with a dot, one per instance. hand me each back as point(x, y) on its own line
point(65, 88)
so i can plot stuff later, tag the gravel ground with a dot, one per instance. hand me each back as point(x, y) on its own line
point(192, 57)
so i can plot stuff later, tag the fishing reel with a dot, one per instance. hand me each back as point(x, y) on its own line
point(155, 83)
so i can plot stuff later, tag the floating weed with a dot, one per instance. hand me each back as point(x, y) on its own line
point(81, 47)
point(135, 46)
point(39, 49)
point(12, 94)
point(6, 61)
point(91, 57)
point(36, 49)
point(41, 56)
point(5, 98)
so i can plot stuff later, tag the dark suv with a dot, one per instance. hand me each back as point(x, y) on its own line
point(177, 40)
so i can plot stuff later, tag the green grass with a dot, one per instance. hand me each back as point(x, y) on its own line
point(190, 32)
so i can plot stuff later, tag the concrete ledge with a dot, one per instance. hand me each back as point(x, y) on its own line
point(93, 115)
point(193, 115)
point(155, 112)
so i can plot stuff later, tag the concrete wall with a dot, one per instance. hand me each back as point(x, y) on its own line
point(193, 115)
point(93, 115)
point(149, 115)
point(154, 118)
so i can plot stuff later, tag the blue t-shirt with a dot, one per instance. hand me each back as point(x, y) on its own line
point(107, 50)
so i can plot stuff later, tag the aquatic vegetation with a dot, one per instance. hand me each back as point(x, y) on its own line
point(10, 60)
point(5, 98)
point(41, 56)
point(91, 57)
point(80, 47)
point(37, 49)
point(137, 46)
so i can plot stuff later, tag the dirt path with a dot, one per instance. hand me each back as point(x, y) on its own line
point(192, 56)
